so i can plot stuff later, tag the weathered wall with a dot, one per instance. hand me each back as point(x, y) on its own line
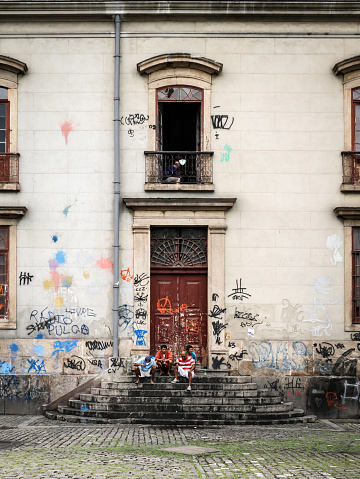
point(277, 134)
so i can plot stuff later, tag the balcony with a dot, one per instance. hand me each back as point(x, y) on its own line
point(178, 170)
point(9, 171)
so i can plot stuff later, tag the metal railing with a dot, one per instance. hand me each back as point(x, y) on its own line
point(179, 167)
point(9, 167)
point(351, 167)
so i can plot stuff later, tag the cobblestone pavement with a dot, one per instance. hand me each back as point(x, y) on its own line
point(35, 447)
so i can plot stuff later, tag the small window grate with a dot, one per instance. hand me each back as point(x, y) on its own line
point(179, 94)
point(178, 247)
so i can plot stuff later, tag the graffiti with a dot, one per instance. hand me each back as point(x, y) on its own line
point(226, 156)
point(216, 362)
point(81, 312)
point(239, 293)
point(339, 346)
point(319, 319)
point(140, 337)
point(95, 362)
point(25, 278)
point(217, 328)
point(98, 345)
point(141, 280)
point(15, 389)
point(37, 365)
point(192, 327)
point(140, 314)
point(275, 386)
point(64, 346)
point(134, 119)
point(216, 311)
point(215, 297)
point(231, 345)
point(131, 133)
point(126, 275)
point(291, 313)
point(58, 324)
point(237, 356)
point(326, 367)
point(126, 317)
point(164, 306)
point(345, 366)
point(325, 349)
point(6, 368)
point(333, 243)
point(152, 127)
point(355, 336)
point(75, 362)
point(354, 388)
point(141, 298)
point(219, 122)
point(116, 364)
point(249, 319)
point(332, 400)
point(278, 357)
point(293, 386)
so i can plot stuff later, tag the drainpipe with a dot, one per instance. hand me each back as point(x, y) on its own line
point(116, 187)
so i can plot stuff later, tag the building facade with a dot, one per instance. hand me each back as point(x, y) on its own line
point(232, 186)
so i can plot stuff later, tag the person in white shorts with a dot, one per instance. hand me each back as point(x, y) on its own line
point(145, 367)
point(184, 367)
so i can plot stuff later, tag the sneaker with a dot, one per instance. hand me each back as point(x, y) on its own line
point(175, 380)
point(189, 388)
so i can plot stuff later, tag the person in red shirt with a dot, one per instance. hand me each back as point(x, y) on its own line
point(184, 367)
point(164, 360)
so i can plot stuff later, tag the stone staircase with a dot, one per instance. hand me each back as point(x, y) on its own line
point(214, 400)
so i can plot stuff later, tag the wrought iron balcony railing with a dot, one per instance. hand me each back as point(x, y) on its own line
point(9, 167)
point(179, 167)
point(351, 167)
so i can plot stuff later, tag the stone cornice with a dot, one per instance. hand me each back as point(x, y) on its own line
point(197, 8)
point(183, 204)
point(12, 65)
point(12, 212)
point(346, 66)
point(348, 212)
point(179, 60)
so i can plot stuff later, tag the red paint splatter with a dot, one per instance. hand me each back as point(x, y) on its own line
point(104, 263)
point(66, 128)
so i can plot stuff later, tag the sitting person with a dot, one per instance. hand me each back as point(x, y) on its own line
point(171, 174)
point(184, 367)
point(145, 367)
point(164, 360)
point(190, 351)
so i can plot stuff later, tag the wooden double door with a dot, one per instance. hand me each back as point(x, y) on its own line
point(178, 308)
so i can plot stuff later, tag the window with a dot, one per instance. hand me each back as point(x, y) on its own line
point(9, 218)
point(179, 156)
point(10, 68)
point(351, 217)
point(4, 267)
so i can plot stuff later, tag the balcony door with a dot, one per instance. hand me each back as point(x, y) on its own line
point(178, 290)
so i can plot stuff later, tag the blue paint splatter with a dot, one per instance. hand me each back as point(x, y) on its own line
point(66, 210)
point(14, 348)
point(60, 257)
point(39, 336)
point(39, 350)
point(55, 238)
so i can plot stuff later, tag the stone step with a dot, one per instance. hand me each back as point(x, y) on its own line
point(177, 390)
point(199, 378)
point(178, 399)
point(169, 385)
point(149, 417)
point(161, 408)
point(174, 423)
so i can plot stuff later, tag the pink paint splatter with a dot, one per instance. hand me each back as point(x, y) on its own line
point(104, 263)
point(57, 279)
point(66, 128)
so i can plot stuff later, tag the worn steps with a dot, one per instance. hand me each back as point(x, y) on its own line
point(214, 400)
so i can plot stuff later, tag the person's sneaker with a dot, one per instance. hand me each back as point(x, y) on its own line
point(189, 388)
point(175, 380)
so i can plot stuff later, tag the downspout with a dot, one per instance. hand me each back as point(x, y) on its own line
point(116, 245)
